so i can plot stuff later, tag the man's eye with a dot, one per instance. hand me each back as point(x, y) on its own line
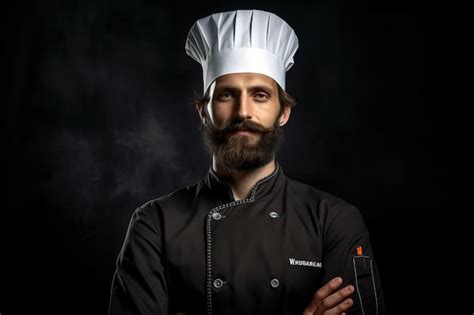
point(261, 96)
point(225, 96)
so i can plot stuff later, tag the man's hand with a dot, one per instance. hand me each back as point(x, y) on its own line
point(328, 302)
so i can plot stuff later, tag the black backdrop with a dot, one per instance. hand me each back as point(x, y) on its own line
point(99, 120)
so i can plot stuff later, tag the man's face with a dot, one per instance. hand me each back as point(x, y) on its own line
point(243, 120)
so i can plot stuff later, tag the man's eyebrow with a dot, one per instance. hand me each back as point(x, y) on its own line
point(265, 88)
point(252, 88)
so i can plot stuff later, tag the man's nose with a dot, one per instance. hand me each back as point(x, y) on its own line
point(244, 107)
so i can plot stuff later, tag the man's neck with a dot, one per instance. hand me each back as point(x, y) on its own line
point(242, 182)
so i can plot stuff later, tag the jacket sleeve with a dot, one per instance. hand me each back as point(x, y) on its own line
point(348, 254)
point(139, 284)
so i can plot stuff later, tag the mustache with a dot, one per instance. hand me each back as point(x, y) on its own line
point(245, 125)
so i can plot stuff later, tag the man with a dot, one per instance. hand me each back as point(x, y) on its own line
point(246, 239)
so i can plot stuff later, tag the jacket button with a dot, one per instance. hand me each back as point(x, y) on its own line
point(274, 283)
point(273, 215)
point(218, 283)
point(216, 216)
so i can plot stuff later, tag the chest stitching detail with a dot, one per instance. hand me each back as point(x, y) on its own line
point(209, 236)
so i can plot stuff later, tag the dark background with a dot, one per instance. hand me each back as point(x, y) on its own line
point(99, 119)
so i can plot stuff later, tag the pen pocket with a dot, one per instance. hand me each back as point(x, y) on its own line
point(366, 291)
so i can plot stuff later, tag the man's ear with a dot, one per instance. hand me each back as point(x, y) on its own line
point(285, 115)
point(201, 109)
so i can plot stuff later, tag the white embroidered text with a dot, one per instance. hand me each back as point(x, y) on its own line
point(307, 263)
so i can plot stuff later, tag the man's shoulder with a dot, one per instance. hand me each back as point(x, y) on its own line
point(311, 193)
point(327, 205)
point(182, 195)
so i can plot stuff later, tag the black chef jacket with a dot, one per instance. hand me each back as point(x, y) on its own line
point(199, 251)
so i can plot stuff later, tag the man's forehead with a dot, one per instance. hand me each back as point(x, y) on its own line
point(245, 80)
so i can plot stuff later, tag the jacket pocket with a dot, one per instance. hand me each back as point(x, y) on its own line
point(366, 291)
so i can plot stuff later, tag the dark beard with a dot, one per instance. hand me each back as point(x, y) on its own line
point(237, 152)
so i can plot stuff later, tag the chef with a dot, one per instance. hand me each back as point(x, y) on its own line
point(246, 239)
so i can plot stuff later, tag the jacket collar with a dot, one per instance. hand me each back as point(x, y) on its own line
point(263, 187)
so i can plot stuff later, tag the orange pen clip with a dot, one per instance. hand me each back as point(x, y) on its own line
point(359, 250)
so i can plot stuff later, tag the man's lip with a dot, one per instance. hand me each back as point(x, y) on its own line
point(241, 131)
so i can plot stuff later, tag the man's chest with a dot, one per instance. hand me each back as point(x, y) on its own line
point(262, 255)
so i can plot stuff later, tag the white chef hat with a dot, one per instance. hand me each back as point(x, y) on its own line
point(242, 41)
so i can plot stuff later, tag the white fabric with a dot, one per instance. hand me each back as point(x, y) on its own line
point(242, 41)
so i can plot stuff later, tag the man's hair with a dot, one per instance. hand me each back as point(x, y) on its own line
point(284, 97)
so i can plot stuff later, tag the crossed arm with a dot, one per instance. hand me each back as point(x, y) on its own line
point(328, 300)
point(134, 264)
